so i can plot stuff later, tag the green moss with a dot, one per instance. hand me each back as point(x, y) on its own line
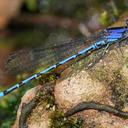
point(118, 85)
point(84, 62)
point(116, 81)
point(101, 74)
point(59, 121)
point(47, 98)
point(52, 76)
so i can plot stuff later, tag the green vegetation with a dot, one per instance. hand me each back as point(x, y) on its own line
point(102, 75)
point(59, 121)
point(49, 77)
point(46, 99)
point(9, 106)
point(117, 82)
point(31, 4)
point(118, 85)
point(109, 10)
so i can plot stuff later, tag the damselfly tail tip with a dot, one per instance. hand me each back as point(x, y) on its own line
point(1, 94)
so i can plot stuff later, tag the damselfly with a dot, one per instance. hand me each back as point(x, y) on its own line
point(50, 58)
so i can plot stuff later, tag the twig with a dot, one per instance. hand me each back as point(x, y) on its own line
point(97, 106)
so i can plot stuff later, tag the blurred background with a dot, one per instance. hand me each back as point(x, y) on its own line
point(28, 24)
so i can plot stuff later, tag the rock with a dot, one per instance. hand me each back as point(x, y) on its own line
point(102, 120)
point(39, 118)
point(78, 88)
point(29, 95)
point(96, 85)
point(106, 82)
